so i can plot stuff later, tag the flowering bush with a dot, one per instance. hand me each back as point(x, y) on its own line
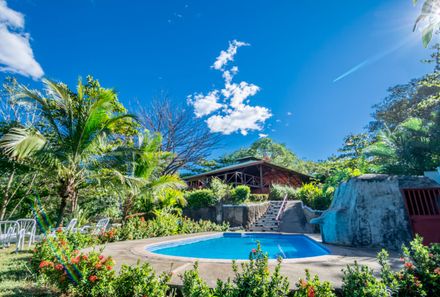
point(313, 287)
point(141, 281)
point(193, 285)
point(420, 275)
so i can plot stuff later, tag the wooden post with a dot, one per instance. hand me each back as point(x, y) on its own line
point(261, 177)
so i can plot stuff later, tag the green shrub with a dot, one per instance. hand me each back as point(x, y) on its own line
point(313, 287)
point(240, 194)
point(359, 281)
point(194, 285)
point(164, 224)
point(201, 198)
point(254, 278)
point(420, 275)
point(314, 196)
point(278, 192)
point(140, 280)
point(258, 197)
point(220, 189)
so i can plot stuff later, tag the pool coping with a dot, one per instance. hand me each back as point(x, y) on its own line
point(328, 267)
point(151, 254)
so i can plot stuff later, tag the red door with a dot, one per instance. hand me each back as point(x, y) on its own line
point(423, 207)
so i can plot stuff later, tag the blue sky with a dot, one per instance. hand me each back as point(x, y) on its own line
point(319, 65)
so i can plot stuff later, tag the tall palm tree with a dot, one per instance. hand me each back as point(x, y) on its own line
point(66, 144)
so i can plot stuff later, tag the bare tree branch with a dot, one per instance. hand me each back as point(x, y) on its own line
point(187, 137)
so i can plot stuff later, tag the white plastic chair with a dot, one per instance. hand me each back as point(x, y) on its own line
point(30, 228)
point(100, 227)
point(69, 228)
point(8, 232)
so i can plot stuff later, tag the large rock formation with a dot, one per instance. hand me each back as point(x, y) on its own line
point(369, 211)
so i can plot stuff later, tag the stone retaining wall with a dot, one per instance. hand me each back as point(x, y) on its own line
point(236, 215)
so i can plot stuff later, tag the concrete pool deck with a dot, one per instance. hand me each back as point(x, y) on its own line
point(328, 267)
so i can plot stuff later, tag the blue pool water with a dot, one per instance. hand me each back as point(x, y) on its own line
point(237, 246)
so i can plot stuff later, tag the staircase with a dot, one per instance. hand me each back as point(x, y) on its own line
point(268, 222)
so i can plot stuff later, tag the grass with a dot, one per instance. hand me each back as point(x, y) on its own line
point(16, 278)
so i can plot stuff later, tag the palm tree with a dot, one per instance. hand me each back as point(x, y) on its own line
point(139, 181)
point(67, 142)
point(408, 149)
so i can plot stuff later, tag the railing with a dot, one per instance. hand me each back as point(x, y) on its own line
point(283, 205)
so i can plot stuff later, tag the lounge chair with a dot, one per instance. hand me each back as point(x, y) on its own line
point(99, 228)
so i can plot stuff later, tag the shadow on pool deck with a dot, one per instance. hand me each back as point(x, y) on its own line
point(328, 267)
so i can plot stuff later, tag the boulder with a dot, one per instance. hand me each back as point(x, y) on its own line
point(369, 211)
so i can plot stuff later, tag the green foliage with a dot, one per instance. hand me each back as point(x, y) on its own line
point(194, 285)
point(314, 196)
point(258, 197)
point(429, 16)
point(240, 194)
point(221, 190)
point(164, 224)
point(278, 192)
point(201, 198)
point(313, 287)
point(139, 281)
point(420, 275)
point(359, 281)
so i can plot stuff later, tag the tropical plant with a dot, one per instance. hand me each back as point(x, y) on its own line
point(313, 287)
point(430, 16)
point(240, 194)
point(278, 192)
point(359, 281)
point(201, 198)
point(135, 176)
point(66, 143)
point(314, 196)
point(411, 148)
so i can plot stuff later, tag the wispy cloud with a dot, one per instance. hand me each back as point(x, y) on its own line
point(229, 108)
point(16, 54)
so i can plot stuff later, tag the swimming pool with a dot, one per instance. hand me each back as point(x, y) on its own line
point(237, 246)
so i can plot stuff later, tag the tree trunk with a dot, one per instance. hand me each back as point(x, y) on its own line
point(6, 196)
point(67, 192)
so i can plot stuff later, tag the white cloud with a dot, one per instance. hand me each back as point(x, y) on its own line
point(204, 105)
point(234, 114)
point(16, 54)
point(262, 135)
point(243, 119)
point(228, 55)
point(289, 113)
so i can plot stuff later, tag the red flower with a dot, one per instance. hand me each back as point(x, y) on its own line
point(59, 230)
point(75, 260)
point(45, 264)
point(101, 257)
point(98, 266)
point(303, 283)
point(437, 270)
point(311, 292)
point(142, 219)
point(59, 267)
point(85, 257)
point(109, 267)
point(93, 278)
point(408, 265)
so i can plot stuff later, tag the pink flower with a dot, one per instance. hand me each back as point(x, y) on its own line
point(437, 270)
point(254, 251)
point(98, 266)
point(59, 267)
point(101, 257)
point(93, 278)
